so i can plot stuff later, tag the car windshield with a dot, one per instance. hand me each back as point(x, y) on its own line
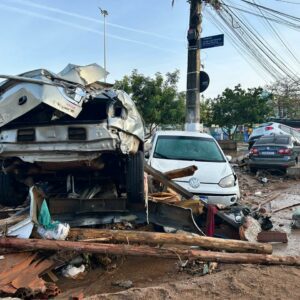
point(281, 140)
point(187, 148)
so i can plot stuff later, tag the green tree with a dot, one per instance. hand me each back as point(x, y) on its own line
point(157, 99)
point(240, 107)
point(205, 111)
point(286, 98)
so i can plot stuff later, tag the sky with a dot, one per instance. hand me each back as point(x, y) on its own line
point(147, 35)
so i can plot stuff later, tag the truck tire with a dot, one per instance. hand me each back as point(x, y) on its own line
point(135, 178)
point(12, 193)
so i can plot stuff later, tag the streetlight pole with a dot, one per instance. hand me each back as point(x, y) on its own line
point(105, 14)
point(192, 121)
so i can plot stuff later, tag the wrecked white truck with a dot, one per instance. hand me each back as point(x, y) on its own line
point(74, 140)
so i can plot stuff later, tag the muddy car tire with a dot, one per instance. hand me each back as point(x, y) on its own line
point(12, 193)
point(135, 178)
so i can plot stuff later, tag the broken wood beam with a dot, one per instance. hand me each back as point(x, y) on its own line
point(272, 237)
point(286, 207)
point(12, 220)
point(167, 238)
point(183, 172)
point(167, 182)
point(129, 250)
point(183, 192)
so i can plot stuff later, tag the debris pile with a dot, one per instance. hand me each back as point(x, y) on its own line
point(32, 242)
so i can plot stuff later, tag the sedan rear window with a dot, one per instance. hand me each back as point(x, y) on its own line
point(188, 148)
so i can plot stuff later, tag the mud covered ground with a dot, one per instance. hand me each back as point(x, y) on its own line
point(161, 279)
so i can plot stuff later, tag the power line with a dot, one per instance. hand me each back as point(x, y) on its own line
point(245, 36)
point(272, 10)
point(282, 42)
point(290, 2)
point(271, 17)
point(259, 42)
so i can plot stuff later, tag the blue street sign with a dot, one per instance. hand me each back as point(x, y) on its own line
point(212, 41)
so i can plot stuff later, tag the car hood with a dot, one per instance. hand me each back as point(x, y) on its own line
point(208, 172)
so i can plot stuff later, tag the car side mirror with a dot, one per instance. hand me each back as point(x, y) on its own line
point(147, 154)
point(229, 157)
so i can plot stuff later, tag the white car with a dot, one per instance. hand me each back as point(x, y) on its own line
point(273, 128)
point(214, 182)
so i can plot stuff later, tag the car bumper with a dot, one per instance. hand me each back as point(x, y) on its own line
point(54, 144)
point(271, 164)
point(213, 193)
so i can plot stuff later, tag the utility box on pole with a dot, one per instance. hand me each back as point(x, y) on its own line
point(192, 121)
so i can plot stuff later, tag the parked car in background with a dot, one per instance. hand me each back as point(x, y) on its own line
point(277, 151)
point(273, 128)
point(214, 182)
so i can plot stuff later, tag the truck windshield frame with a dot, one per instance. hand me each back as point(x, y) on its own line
point(187, 148)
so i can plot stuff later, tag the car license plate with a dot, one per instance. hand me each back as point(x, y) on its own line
point(268, 153)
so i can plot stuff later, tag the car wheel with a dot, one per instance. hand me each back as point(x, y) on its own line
point(12, 193)
point(135, 178)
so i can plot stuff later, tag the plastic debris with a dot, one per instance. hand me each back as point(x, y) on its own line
point(48, 229)
point(58, 232)
point(264, 180)
point(44, 217)
point(71, 271)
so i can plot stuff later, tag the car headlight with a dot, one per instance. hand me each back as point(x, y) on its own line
point(228, 181)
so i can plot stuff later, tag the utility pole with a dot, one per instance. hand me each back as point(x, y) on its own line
point(105, 14)
point(192, 120)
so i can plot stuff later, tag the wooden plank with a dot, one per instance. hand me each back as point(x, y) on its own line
point(272, 236)
point(286, 207)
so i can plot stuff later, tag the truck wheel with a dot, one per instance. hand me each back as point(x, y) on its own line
point(12, 193)
point(135, 178)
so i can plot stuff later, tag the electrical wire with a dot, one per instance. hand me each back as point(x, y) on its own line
point(245, 37)
point(278, 37)
point(272, 10)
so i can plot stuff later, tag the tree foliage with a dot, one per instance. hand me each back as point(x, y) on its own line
point(286, 98)
point(239, 107)
point(157, 99)
point(206, 111)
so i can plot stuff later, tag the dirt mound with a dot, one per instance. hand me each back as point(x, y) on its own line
point(234, 282)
